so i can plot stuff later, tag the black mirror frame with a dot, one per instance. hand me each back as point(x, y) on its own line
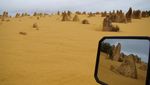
point(120, 37)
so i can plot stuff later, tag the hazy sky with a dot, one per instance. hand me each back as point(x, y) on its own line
point(82, 5)
point(138, 47)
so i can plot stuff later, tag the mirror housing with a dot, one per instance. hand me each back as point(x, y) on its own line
point(98, 69)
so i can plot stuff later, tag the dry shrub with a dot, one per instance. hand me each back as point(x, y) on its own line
point(22, 33)
point(38, 18)
point(115, 29)
point(85, 21)
point(35, 25)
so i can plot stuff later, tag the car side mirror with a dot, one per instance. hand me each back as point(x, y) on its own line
point(123, 61)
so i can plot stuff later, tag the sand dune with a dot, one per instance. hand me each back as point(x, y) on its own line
point(59, 53)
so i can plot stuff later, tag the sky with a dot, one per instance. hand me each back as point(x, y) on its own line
point(73, 5)
point(137, 47)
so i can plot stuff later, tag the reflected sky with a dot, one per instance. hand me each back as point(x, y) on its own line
point(128, 46)
point(73, 5)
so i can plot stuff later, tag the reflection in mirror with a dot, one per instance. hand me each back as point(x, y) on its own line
point(123, 61)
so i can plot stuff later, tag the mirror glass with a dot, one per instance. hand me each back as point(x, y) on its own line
point(123, 61)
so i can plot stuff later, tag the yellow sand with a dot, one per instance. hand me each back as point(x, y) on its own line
point(59, 53)
point(112, 78)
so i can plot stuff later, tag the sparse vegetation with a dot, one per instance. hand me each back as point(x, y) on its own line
point(85, 21)
point(35, 25)
point(107, 48)
point(22, 33)
point(115, 29)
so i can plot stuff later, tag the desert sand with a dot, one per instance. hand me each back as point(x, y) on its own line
point(59, 53)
